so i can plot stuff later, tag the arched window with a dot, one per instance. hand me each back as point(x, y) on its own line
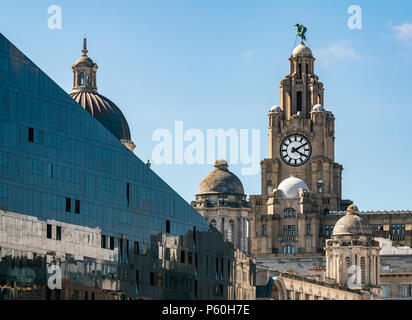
point(81, 79)
point(285, 250)
point(89, 80)
point(300, 70)
point(347, 259)
point(292, 250)
point(289, 212)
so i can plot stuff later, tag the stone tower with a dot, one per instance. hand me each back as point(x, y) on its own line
point(352, 254)
point(301, 116)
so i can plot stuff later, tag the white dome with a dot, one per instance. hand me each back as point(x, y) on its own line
point(276, 109)
point(290, 187)
point(301, 51)
point(318, 108)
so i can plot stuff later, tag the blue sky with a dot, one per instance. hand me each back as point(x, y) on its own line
point(217, 64)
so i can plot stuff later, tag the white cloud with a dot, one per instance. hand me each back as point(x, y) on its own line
point(248, 55)
point(337, 52)
point(403, 32)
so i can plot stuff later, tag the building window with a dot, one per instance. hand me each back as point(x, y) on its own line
point(189, 258)
point(159, 280)
point(152, 279)
point(136, 248)
point(269, 186)
point(128, 193)
point(68, 205)
point(406, 290)
point(264, 230)
point(320, 186)
point(403, 229)
point(289, 212)
point(58, 233)
point(31, 135)
point(103, 242)
point(81, 79)
point(308, 229)
point(299, 101)
point(144, 249)
point(111, 241)
point(363, 271)
point(231, 231)
point(182, 256)
point(77, 206)
point(385, 291)
point(49, 231)
point(167, 226)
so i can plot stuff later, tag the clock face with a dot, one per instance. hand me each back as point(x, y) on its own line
point(295, 150)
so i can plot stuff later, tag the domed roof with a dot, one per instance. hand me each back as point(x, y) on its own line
point(221, 181)
point(84, 61)
point(318, 108)
point(302, 51)
point(275, 109)
point(290, 187)
point(352, 224)
point(105, 111)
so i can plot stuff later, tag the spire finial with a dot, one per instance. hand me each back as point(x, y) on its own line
point(85, 51)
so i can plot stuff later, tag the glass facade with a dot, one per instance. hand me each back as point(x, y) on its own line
point(62, 167)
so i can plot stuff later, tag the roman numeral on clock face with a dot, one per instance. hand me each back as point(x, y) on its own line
point(295, 150)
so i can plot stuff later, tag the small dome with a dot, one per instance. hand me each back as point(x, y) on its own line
point(105, 111)
point(302, 51)
point(329, 113)
point(275, 109)
point(290, 187)
point(352, 224)
point(318, 108)
point(221, 181)
point(84, 61)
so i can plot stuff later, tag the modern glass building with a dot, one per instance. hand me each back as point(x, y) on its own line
point(74, 199)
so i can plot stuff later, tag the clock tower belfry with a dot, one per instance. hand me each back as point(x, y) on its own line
point(302, 136)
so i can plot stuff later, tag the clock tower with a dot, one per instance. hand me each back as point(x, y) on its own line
point(302, 136)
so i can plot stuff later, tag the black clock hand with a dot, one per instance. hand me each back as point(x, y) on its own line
point(302, 154)
point(297, 150)
point(302, 146)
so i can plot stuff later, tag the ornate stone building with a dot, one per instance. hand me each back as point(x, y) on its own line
point(300, 207)
point(353, 247)
point(222, 201)
point(352, 268)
